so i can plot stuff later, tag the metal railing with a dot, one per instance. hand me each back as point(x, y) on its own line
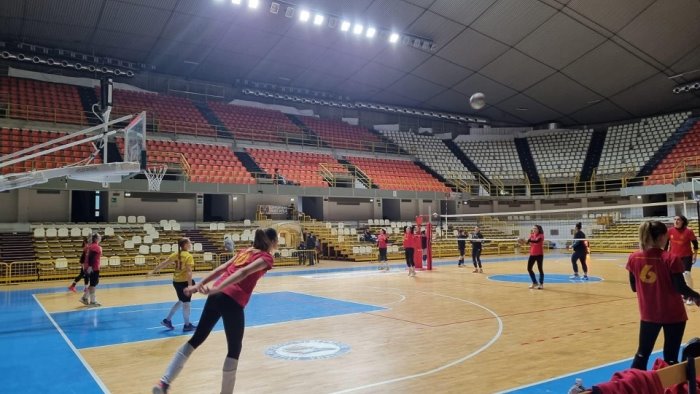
point(40, 270)
point(44, 114)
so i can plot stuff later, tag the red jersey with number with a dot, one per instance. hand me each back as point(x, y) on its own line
point(679, 241)
point(242, 290)
point(417, 244)
point(536, 244)
point(407, 240)
point(659, 302)
point(381, 241)
point(94, 253)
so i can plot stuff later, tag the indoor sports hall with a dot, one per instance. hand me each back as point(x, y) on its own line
point(349, 196)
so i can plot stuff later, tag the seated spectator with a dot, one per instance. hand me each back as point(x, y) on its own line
point(229, 246)
point(278, 179)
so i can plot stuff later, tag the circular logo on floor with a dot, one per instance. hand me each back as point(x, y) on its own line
point(312, 349)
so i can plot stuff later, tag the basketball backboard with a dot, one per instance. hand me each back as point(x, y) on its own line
point(135, 141)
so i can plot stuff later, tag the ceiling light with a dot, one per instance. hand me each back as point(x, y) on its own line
point(371, 31)
point(344, 26)
point(304, 15)
point(253, 3)
point(236, 2)
point(274, 7)
point(394, 38)
point(358, 29)
point(318, 19)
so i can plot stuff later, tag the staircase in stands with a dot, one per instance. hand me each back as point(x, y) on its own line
point(17, 247)
point(197, 237)
point(528, 163)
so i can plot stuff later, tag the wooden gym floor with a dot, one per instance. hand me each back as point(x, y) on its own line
point(361, 330)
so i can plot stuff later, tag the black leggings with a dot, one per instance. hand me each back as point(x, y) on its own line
point(530, 263)
point(579, 255)
point(218, 306)
point(81, 275)
point(409, 257)
point(687, 262)
point(648, 332)
point(476, 257)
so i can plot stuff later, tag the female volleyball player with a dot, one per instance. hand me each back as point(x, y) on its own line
point(182, 278)
point(382, 240)
point(93, 253)
point(227, 298)
point(680, 238)
point(579, 252)
point(81, 274)
point(657, 278)
point(409, 246)
point(477, 242)
point(462, 246)
point(536, 242)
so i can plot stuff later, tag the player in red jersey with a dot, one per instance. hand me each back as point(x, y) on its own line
point(657, 278)
point(382, 240)
point(227, 298)
point(409, 246)
point(93, 254)
point(536, 242)
point(680, 237)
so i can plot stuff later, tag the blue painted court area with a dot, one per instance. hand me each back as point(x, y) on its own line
point(110, 326)
point(35, 356)
point(548, 278)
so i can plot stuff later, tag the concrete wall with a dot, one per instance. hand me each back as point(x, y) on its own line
point(8, 206)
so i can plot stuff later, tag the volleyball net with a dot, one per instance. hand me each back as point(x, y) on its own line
point(607, 228)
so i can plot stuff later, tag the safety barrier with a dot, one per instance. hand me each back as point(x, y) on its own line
point(4, 273)
point(40, 270)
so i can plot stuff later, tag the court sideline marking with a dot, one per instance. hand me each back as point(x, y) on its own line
point(75, 351)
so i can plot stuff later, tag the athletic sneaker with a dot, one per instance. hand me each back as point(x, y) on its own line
point(167, 324)
point(481, 270)
point(161, 388)
point(84, 301)
point(689, 301)
point(574, 276)
point(476, 271)
point(71, 288)
point(95, 304)
point(188, 327)
point(585, 277)
point(532, 286)
point(540, 287)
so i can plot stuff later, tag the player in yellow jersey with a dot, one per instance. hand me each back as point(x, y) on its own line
point(182, 277)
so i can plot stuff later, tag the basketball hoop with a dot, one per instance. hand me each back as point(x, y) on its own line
point(155, 175)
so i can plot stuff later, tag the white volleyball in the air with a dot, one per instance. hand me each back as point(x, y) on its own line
point(477, 100)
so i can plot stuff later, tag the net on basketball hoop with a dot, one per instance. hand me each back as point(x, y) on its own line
point(154, 175)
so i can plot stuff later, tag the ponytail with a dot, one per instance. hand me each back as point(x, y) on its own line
point(649, 233)
point(264, 239)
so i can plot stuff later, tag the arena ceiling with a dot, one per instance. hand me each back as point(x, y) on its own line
point(571, 61)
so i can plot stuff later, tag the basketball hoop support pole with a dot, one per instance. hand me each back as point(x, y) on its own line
point(18, 156)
